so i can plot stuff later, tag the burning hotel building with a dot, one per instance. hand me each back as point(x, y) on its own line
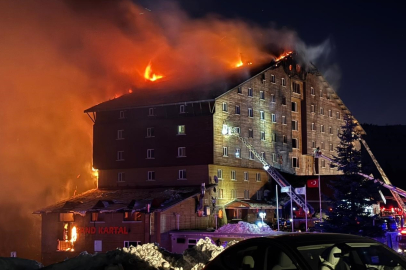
point(164, 164)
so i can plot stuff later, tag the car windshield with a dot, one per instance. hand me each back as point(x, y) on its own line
point(371, 256)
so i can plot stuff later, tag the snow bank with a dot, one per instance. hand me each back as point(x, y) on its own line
point(245, 227)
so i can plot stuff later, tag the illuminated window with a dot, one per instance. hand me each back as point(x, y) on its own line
point(132, 216)
point(298, 68)
point(312, 91)
point(272, 98)
point(238, 153)
point(251, 155)
point(250, 112)
point(312, 109)
point(181, 151)
point(151, 111)
point(120, 134)
point(250, 133)
point(295, 125)
point(283, 81)
point(283, 100)
point(182, 174)
point(258, 177)
point(294, 107)
point(245, 176)
point(246, 194)
point(313, 127)
point(182, 109)
point(237, 109)
point(273, 78)
point(250, 92)
point(67, 217)
point(285, 139)
point(273, 118)
point(262, 115)
point(295, 162)
point(122, 115)
point(296, 88)
point(262, 95)
point(225, 107)
point(219, 173)
point(151, 176)
point(290, 67)
point(263, 135)
point(150, 153)
point(295, 143)
point(283, 120)
point(181, 130)
point(97, 217)
point(225, 151)
point(120, 177)
point(233, 175)
point(150, 132)
point(120, 155)
point(239, 90)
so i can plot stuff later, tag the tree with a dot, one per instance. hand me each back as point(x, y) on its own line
point(352, 192)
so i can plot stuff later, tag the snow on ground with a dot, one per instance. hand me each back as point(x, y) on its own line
point(143, 257)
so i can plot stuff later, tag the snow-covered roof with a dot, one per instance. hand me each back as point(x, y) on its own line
point(249, 204)
point(114, 200)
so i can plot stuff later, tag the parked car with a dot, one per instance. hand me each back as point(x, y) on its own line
point(391, 223)
point(316, 251)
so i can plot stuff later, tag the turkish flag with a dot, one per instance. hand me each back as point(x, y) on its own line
point(313, 183)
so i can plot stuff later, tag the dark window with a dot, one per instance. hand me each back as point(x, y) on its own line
point(283, 100)
point(296, 88)
point(180, 240)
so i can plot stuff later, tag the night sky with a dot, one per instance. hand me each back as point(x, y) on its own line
point(366, 38)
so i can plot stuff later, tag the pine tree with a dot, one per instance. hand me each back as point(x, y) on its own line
point(352, 192)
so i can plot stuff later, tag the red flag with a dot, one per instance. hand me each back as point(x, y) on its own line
point(313, 183)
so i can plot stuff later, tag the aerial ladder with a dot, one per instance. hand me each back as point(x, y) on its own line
point(279, 179)
point(396, 192)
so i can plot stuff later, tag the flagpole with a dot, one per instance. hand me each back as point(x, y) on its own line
point(320, 197)
point(277, 206)
point(291, 208)
point(306, 206)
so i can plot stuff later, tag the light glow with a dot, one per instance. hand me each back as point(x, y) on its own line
point(148, 75)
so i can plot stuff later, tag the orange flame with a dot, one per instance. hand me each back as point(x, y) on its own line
point(74, 235)
point(149, 76)
point(95, 172)
point(283, 56)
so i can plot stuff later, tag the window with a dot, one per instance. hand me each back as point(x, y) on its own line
point(283, 81)
point(181, 130)
point(97, 217)
point(221, 193)
point(237, 130)
point(313, 127)
point(233, 193)
point(68, 217)
point(151, 176)
point(132, 216)
point(321, 93)
point(331, 147)
point(273, 137)
point(182, 109)
point(272, 98)
point(312, 91)
point(273, 78)
point(313, 144)
point(338, 131)
point(330, 130)
point(283, 120)
point(150, 132)
point(151, 111)
point(182, 174)
point(259, 195)
point(250, 92)
point(245, 176)
point(237, 109)
point(295, 162)
point(295, 143)
point(181, 151)
point(263, 79)
point(131, 243)
point(251, 155)
point(219, 173)
point(246, 194)
point(225, 107)
point(263, 135)
point(238, 153)
point(338, 115)
point(262, 95)
point(323, 163)
point(322, 128)
point(262, 115)
point(312, 109)
point(122, 115)
point(273, 157)
point(98, 245)
point(328, 95)
point(296, 88)
point(298, 68)
point(273, 118)
point(120, 155)
point(285, 139)
point(120, 177)
point(120, 134)
point(295, 125)
point(322, 145)
point(330, 113)
point(150, 153)
point(250, 133)
point(225, 151)
point(294, 107)
point(258, 177)
point(263, 155)
point(250, 112)
point(239, 90)
point(233, 174)
point(283, 100)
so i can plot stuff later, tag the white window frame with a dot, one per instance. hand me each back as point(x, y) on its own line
point(120, 177)
point(295, 163)
point(295, 125)
point(313, 144)
point(259, 195)
point(273, 79)
point(225, 151)
point(250, 92)
point(322, 128)
point(283, 82)
point(284, 120)
point(98, 245)
point(246, 176)
point(182, 174)
point(150, 153)
point(273, 99)
point(261, 95)
point(251, 155)
point(297, 143)
point(122, 115)
point(237, 130)
point(312, 109)
point(258, 177)
point(330, 130)
point(150, 132)
point(262, 115)
point(250, 112)
point(182, 151)
point(274, 157)
point(239, 90)
point(312, 91)
point(237, 109)
point(221, 193)
point(263, 155)
point(294, 106)
point(120, 134)
point(330, 113)
point(293, 88)
point(181, 130)
point(250, 133)
point(313, 127)
point(273, 137)
point(120, 155)
point(225, 107)
point(338, 115)
point(151, 111)
point(219, 173)
point(263, 135)
point(182, 109)
point(233, 175)
point(151, 176)
point(246, 194)
point(238, 153)
point(273, 118)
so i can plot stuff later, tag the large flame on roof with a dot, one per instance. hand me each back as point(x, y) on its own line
point(148, 75)
point(282, 56)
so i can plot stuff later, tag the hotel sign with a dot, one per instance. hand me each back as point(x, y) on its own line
point(102, 230)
